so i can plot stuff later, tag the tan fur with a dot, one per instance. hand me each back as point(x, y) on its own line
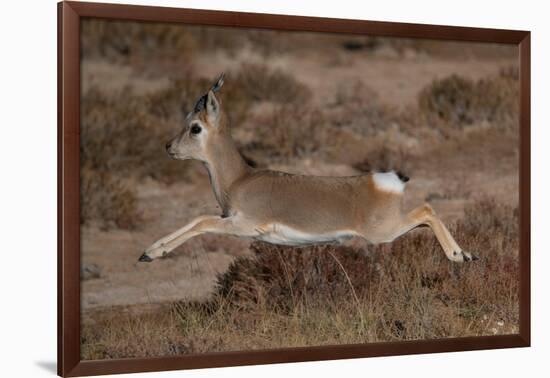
point(290, 209)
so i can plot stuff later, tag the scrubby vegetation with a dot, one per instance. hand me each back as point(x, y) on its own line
point(459, 101)
point(125, 137)
point(285, 132)
point(358, 108)
point(107, 199)
point(262, 84)
point(272, 296)
point(286, 296)
point(121, 142)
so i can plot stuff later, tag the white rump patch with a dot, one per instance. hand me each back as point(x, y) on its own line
point(388, 182)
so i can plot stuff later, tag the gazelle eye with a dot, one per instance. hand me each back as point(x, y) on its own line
point(195, 129)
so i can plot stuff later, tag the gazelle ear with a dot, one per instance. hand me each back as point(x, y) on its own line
point(219, 83)
point(212, 108)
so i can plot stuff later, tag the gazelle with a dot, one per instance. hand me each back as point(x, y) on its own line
point(288, 209)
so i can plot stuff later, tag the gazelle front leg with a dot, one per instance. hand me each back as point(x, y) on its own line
point(198, 226)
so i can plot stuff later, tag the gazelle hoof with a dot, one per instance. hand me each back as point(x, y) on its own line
point(469, 256)
point(145, 258)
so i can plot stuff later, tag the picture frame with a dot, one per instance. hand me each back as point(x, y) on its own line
point(70, 15)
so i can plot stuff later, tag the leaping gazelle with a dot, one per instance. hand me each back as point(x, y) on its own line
point(288, 209)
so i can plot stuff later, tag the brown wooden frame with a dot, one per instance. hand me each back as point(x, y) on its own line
point(69, 15)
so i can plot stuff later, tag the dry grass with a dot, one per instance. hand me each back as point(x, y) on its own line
point(116, 333)
point(286, 297)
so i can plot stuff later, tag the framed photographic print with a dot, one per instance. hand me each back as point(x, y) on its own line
point(239, 188)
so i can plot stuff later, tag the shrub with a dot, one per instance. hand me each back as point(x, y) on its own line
point(357, 107)
point(449, 98)
point(260, 83)
point(459, 101)
point(108, 200)
point(126, 137)
point(279, 277)
point(285, 132)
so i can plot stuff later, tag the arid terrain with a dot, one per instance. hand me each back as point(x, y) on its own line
point(445, 113)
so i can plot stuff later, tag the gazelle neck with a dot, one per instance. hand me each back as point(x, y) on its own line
point(225, 166)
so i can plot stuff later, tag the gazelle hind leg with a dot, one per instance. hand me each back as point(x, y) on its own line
point(425, 215)
point(198, 226)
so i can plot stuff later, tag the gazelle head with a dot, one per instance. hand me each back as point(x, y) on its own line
point(201, 127)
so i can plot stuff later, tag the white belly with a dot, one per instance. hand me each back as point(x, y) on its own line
point(284, 235)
